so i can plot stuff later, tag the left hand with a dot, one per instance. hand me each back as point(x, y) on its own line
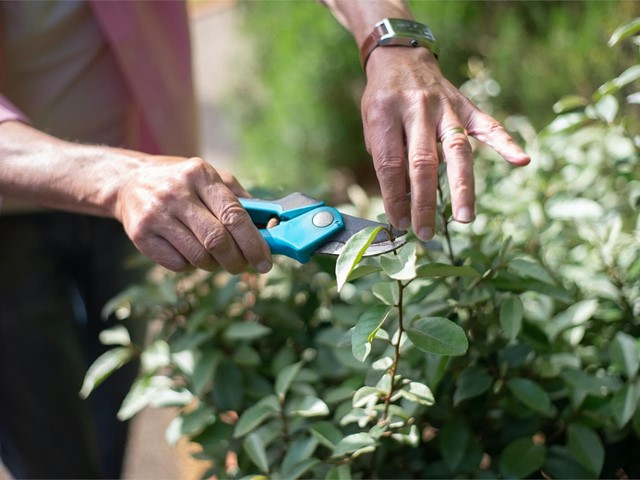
point(407, 108)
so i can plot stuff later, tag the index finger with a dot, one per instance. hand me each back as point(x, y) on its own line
point(226, 207)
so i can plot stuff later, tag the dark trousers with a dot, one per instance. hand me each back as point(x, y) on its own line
point(57, 270)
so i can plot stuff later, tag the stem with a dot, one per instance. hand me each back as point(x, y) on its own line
point(396, 357)
point(445, 225)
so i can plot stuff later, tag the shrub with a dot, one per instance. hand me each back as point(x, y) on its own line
point(509, 348)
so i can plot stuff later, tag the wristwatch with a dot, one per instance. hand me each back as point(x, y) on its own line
point(398, 32)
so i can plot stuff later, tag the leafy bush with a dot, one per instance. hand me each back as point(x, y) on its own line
point(509, 348)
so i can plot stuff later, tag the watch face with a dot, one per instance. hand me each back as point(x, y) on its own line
point(410, 28)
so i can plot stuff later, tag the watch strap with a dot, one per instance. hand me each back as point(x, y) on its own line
point(370, 43)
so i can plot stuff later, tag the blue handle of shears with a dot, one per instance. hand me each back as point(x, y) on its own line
point(301, 229)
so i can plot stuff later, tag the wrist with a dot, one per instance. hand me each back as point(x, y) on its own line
point(397, 32)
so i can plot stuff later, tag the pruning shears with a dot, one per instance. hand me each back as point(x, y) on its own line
point(307, 227)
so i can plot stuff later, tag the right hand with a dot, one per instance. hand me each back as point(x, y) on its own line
point(183, 213)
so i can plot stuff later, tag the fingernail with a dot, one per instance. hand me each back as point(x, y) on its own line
point(264, 266)
point(425, 234)
point(403, 223)
point(464, 215)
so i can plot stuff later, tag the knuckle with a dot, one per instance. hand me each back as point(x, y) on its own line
point(216, 239)
point(458, 144)
point(389, 165)
point(424, 161)
point(232, 215)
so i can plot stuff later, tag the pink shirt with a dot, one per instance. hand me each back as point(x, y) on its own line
point(151, 45)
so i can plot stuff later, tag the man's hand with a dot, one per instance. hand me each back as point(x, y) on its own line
point(407, 108)
point(180, 212)
point(183, 212)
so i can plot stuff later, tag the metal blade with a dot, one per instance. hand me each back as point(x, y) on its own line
point(352, 225)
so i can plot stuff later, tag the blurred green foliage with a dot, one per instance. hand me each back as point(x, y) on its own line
point(298, 113)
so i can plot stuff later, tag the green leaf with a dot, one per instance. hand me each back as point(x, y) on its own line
point(511, 314)
point(255, 448)
point(298, 452)
point(387, 293)
point(252, 418)
point(285, 377)
point(326, 433)
point(105, 365)
point(117, 335)
point(204, 370)
point(472, 381)
point(452, 440)
point(142, 393)
point(623, 405)
point(197, 420)
point(365, 330)
point(521, 458)
point(246, 331)
point(586, 447)
point(434, 270)
point(576, 315)
point(625, 31)
point(625, 354)
point(530, 393)
point(438, 335)
point(363, 270)
point(352, 443)
point(340, 472)
point(401, 266)
point(309, 406)
point(569, 102)
point(418, 393)
point(352, 253)
point(156, 356)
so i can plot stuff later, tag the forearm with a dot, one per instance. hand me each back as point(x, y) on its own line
point(40, 169)
point(359, 16)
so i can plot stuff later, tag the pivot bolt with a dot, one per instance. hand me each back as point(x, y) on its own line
point(322, 219)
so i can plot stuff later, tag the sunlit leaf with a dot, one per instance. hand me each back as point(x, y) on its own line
point(438, 335)
point(352, 253)
point(309, 407)
point(586, 447)
point(568, 103)
point(387, 293)
point(418, 392)
point(353, 443)
point(365, 330)
point(156, 356)
point(116, 335)
point(401, 266)
point(103, 367)
point(625, 31)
